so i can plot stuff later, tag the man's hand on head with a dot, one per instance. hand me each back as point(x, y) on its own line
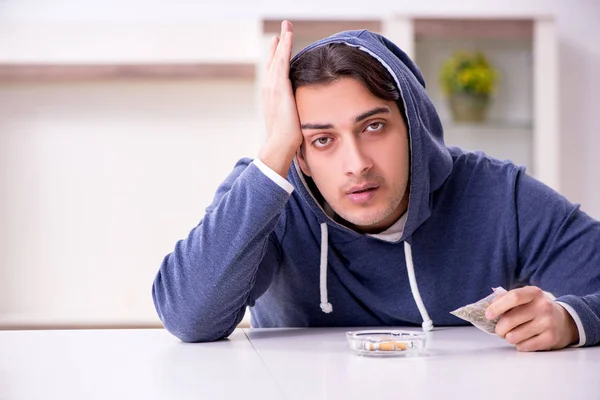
point(531, 321)
point(284, 135)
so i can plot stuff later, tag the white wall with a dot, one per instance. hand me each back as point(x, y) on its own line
point(99, 180)
point(105, 42)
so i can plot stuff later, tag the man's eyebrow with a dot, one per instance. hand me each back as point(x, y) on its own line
point(361, 117)
point(316, 126)
point(370, 113)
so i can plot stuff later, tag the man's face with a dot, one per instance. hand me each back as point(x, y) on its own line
point(356, 150)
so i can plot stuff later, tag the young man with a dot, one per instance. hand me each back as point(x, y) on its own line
point(378, 222)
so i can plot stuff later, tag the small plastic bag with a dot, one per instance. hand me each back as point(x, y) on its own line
point(475, 312)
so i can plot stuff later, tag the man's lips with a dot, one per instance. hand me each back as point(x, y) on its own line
point(362, 188)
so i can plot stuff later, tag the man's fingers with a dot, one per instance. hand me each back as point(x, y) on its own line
point(514, 318)
point(525, 331)
point(272, 49)
point(542, 342)
point(284, 49)
point(539, 324)
point(281, 64)
point(289, 36)
point(512, 299)
point(287, 50)
point(284, 28)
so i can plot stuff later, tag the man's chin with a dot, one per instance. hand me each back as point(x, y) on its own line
point(361, 222)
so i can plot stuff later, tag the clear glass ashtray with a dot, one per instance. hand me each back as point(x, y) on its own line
point(386, 342)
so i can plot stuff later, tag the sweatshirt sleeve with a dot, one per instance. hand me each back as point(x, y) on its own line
point(559, 251)
point(203, 287)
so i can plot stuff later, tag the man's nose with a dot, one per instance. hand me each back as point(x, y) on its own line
point(356, 160)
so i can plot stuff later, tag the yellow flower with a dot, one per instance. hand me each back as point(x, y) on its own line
point(468, 73)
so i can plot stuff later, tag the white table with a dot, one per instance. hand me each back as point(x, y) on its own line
point(128, 364)
point(460, 363)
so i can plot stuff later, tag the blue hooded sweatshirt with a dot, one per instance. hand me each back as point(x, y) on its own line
point(473, 223)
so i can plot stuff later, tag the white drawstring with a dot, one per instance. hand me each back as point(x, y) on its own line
point(410, 268)
point(325, 304)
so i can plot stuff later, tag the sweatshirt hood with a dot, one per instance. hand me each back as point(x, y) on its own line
point(430, 160)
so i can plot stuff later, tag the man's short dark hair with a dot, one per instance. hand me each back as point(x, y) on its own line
point(326, 64)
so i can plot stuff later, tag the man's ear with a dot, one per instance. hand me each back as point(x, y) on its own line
point(302, 162)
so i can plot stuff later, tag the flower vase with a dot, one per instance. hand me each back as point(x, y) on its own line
point(466, 107)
